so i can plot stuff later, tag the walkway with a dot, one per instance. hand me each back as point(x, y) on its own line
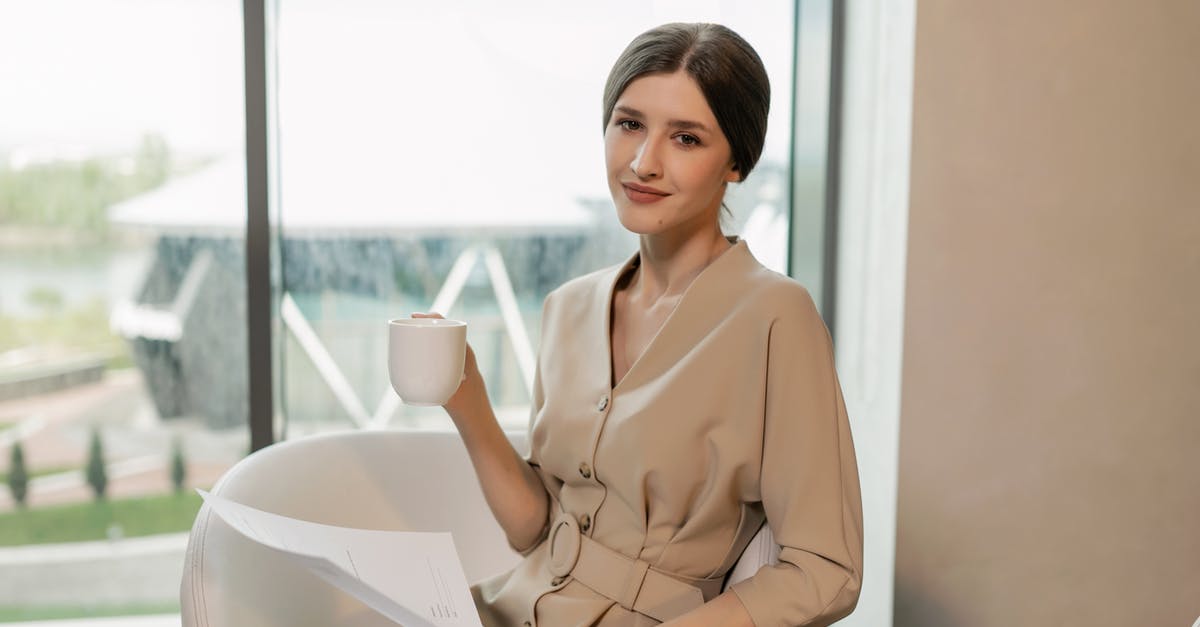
point(55, 431)
point(165, 620)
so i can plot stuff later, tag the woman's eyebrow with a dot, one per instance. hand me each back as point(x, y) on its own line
point(679, 124)
point(687, 125)
point(630, 111)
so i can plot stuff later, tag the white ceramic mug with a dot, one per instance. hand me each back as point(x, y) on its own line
point(426, 358)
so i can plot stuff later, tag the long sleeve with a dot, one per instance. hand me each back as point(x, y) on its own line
point(809, 479)
point(537, 400)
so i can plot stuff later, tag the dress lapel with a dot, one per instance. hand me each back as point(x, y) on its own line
point(710, 297)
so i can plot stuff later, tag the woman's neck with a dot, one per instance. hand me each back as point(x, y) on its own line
point(670, 262)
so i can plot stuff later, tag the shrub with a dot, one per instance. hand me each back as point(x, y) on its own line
point(18, 478)
point(97, 475)
point(178, 467)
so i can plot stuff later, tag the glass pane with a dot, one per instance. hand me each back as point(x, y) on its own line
point(121, 282)
point(449, 156)
point(809, 189)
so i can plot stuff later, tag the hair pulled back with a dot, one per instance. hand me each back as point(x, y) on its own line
point(728, 71)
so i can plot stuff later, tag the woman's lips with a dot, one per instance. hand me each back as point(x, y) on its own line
point(643, 195)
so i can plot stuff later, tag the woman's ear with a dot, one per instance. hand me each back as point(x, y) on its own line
point(733, 175)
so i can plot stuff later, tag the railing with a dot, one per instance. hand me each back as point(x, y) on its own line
point(310, 342)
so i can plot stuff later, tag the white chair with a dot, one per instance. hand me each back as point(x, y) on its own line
point(414, 480)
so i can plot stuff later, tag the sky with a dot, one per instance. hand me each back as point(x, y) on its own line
point(94, 76)
point(86, 76)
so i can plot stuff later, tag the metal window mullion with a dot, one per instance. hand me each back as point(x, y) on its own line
point(833, 169)
point(793, 119)
point(258, 233)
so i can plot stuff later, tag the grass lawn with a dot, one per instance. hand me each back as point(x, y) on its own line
point(14, 614)
point(144, 516)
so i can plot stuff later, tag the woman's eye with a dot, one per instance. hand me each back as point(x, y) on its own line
point(688, 140)
point(630, 125)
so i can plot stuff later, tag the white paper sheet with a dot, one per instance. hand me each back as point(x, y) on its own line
point(413, 578)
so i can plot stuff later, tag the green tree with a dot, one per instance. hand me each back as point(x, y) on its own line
point(18, 478)
point(152, 163)
point(178, 467)
point(76, 194)
point(45, 298)
point(97, 475)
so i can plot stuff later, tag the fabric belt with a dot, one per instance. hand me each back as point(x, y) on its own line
point(631, 582)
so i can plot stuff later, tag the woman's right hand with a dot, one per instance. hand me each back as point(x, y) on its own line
point(471, 390)
point(513, 490)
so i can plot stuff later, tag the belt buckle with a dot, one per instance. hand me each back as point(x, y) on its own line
point(564, 544)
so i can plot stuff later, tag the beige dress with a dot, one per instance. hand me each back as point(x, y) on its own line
point(732, 414)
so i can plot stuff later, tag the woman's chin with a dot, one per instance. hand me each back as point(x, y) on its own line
point(641, 221)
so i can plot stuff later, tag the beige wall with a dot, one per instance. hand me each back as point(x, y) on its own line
point(1050, 416)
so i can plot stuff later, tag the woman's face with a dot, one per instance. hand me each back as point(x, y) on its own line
point(668, 161)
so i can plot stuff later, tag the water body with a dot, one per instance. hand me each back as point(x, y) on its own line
point(79, 275)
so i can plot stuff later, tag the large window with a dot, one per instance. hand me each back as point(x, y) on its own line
point(450, 157)
point(122, 352)
point(421, 156)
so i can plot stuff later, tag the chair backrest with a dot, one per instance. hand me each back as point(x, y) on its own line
point(420, 480)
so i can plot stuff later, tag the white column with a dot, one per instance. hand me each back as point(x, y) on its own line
point(873, 229)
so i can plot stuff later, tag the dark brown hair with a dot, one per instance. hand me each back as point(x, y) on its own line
point(728, 71)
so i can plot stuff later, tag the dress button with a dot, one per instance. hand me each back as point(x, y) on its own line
point(600, 406)
point(585, 470)
point(585, 523)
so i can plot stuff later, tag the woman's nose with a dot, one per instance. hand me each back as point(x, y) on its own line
point(646, 163)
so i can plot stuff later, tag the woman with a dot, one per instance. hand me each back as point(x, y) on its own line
point(682, 397)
